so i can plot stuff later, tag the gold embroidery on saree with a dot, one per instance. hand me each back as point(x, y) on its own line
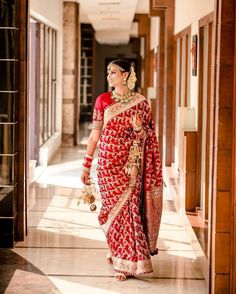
point(118, 108)
point(134, 268)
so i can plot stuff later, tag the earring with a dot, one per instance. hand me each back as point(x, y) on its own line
point(124, 82)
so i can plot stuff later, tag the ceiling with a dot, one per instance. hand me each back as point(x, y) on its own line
point(112, 20)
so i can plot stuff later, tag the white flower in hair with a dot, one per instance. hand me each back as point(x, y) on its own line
point(132, 79)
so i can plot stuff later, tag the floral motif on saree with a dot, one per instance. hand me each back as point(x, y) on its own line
point(131, 212)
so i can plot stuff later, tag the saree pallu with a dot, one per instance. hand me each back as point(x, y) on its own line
point(130, 215)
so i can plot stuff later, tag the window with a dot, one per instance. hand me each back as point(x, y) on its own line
point(47, 80)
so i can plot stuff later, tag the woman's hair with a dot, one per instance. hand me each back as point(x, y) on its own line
point(123, 64)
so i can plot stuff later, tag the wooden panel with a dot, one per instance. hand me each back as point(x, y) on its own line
point(190, 187)
point(223, 210)
point(162, 3)
point(227, 47)
point(160, 85)
point(183, 33)
point(228, 11)
point(226, 89)
point(222, 253)
point(169, 64)
point(200, 109)
point(23, 116)
point(225, 128)
point(144, 31)
point(22, 167)
point(22, 103)
point(223, 245)
point(186, 98)
point(180, 69)
point(191, 150)
point(156, 11)
point(206, 19)
point(224, 162)
point(209, 133)
point(222, 284)
point(190, 169)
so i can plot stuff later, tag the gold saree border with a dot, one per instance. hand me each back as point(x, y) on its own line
point(132, 267)
point(116, 209)
point(111, 112)
point(118, 108)
point(153, 199)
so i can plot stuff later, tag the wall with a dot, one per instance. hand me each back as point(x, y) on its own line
point(155, 33)
point(51, 14)
point(189, 12)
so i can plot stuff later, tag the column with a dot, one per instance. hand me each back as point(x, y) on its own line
point(71, 59)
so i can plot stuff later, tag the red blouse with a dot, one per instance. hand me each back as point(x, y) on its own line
point(101, 104)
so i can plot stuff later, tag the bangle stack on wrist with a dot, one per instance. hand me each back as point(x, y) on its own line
point(87, 162)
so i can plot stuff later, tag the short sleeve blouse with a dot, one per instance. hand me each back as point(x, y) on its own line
point(101, 103)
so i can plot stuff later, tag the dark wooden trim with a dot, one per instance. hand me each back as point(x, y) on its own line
point(186, 70)
point(37, 92)
point(23, 154)
point(157, 91)
point(233, 204)
point(161, 84)
point(180, 70)
point(183, 33)
point(156, 11)
point(199, 131)
point(206, 19)
point(161, 4)
point(190, 166)
point(223, 273)
point(76, 77)
point(174, 100)
point(208, 127)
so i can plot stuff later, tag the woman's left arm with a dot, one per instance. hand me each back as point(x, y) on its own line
point(91, 146)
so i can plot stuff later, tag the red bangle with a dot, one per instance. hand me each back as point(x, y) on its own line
point(87, 164)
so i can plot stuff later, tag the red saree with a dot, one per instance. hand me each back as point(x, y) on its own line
point(130, 215)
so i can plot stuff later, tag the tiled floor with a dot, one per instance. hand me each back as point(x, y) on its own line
point(65, 250)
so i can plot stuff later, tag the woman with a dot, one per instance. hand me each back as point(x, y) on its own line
point(129, 173)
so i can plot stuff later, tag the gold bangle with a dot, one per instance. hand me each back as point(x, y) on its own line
point(86, 169)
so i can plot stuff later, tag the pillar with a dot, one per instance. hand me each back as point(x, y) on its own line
point(71, 59)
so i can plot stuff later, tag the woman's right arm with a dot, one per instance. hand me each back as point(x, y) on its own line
point(91, 146)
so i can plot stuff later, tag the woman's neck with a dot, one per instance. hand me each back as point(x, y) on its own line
point(121, 90)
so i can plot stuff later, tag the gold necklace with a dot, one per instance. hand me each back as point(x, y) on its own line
point(123, 98)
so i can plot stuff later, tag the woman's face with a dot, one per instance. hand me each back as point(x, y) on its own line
point(115, 76)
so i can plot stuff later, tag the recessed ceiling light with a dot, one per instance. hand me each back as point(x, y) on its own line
point(108, 3)
point(110, 18)
point(109, 11)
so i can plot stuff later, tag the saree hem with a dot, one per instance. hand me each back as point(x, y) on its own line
point(134, 268)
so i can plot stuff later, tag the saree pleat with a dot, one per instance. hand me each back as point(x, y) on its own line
point(130, 214)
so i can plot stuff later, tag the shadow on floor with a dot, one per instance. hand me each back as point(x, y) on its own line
point(17, 275)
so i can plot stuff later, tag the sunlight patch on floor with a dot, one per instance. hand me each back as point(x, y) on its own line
point(68, 287)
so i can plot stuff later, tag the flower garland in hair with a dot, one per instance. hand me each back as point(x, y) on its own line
point(132, 79)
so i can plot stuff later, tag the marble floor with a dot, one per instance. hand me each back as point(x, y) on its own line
point(65, 249)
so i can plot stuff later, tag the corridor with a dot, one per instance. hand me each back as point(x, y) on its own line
point(65, 251)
